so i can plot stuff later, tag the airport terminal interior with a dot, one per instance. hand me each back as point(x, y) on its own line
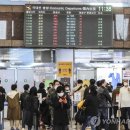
point(70, 41)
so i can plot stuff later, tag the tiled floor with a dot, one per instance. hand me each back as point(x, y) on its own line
point(71, 126)
point(7, 126)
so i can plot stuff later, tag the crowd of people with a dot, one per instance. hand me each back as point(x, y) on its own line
point(50, 108)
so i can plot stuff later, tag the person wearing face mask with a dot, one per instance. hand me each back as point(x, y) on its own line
point(79, 88)
point(124, 102)
point(61, 103)
point(52, 91)
point(67, 89)
point(51, 94)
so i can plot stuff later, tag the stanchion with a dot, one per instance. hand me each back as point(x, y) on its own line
point(119, 118)
point(1, 120)
point(72, 112)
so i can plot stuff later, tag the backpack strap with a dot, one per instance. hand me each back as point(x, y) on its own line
point(78, 89)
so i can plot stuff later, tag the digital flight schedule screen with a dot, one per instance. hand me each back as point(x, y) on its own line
point(68, 26)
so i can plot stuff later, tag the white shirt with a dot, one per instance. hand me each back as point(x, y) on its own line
point(124, 97)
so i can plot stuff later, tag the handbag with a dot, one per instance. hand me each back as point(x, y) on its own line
point(80, 104)
point(80, 116)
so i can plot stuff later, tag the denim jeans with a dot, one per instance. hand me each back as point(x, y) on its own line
point(103, 114)
point(88, 123)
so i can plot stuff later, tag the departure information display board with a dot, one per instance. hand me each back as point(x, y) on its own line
point(68, 26)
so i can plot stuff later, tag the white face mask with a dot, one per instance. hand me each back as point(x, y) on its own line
point(61, 94)
point(56, 86)
point(125, 84)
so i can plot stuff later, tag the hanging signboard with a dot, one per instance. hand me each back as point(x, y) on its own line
point(64, 69)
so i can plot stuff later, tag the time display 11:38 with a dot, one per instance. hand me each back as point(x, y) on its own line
point(105, 8)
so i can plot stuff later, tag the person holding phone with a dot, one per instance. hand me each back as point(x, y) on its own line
point(61, 103)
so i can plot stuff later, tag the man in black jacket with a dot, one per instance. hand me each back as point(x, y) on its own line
point(23, 98)
point(87, 90)
point(104, 100)
point(32, 109)
point(2, 97)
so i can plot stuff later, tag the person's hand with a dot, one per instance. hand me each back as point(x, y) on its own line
point(65, 101)
point(60, 100)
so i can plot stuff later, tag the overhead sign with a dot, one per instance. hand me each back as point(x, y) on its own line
point(64, 69)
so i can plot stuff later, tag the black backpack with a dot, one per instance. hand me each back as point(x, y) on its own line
point(23, 99)
point(100, 97)
point(32, 104)
point(28, 103)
